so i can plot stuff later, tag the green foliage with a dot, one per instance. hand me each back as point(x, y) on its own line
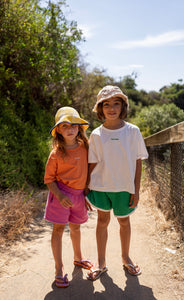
point(38, 71)
point(173, 94)
point(24, 148)
point(134, 108)
point(128, 82)
point(154, 118)
point(38, 55)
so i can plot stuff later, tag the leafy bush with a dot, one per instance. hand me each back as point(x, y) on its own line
point(154, 118)
point(38, 69)
point(24, 149)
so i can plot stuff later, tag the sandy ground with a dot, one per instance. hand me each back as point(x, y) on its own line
point(27, 270)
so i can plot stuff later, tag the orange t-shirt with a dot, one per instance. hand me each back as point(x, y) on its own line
point(72, 170)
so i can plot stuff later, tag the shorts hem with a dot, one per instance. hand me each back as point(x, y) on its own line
point(98, 208)
point(78, 222)
point(55, 222)
point(124, 216)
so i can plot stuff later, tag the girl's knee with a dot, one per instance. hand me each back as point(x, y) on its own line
point(74, 227)
point(58, 229)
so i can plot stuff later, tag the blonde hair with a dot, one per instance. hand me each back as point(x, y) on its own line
point(58, 142)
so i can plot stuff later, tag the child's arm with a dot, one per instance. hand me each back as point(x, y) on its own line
point(63, 199)
point(134, 198)
point(91, 166)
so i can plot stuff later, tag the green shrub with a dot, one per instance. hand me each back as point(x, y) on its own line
point(24, 149)
point(154, 118)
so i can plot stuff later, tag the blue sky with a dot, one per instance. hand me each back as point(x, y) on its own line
point(142, 36)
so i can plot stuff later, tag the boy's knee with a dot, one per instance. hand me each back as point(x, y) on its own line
point(103, 219)
point(124, 222)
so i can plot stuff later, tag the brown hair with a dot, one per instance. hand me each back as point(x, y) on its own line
point(123, 114)
point(59, 142)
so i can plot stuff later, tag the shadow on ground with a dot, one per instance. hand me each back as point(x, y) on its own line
point(82, 289)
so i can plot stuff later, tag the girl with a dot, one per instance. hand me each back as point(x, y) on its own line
point(65, 176)
point(115, 152)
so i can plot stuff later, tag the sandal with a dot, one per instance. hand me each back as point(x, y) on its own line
point(131, 269)
point(62, 281)
point(98, 271)
point(84, 263)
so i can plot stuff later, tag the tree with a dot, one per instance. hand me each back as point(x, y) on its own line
point(38, 54)
point(38, 70)
point(154, 118)
point(173, 94)
point(128, 82)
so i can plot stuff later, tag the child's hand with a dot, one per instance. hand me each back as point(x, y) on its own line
point(65, 201)
point(86, 191)
point(88, 206)
point(134, 199)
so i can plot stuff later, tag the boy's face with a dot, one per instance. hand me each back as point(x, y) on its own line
point(112, 108)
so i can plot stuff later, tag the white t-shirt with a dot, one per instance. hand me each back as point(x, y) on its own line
point(115, 152)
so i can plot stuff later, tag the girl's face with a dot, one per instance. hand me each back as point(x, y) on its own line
point(68, 131)
point(112, 108)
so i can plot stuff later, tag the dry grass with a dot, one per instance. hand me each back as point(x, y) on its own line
point(17, 210)
point(167, 231)
point(163, 208)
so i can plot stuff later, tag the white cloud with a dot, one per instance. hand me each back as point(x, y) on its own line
point(168, 38)
point(123, 70)
point(119, 68)
point(136, 66)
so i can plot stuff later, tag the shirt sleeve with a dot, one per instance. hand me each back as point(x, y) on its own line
point(141, 149)
point(92, 155)
point(51, 168)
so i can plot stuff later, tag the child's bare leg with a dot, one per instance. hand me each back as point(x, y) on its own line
point(75, 235)
point(56, 243)
point(125, 234)
point(101, 236)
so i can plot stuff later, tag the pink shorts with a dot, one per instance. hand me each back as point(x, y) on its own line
point(56, 213)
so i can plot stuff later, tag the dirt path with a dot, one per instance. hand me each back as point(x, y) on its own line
point(27, 271)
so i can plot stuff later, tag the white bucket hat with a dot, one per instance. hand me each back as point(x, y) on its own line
point(69, 115)
point(110, 91)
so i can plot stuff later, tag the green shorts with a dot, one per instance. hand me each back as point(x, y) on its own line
point(105, 201)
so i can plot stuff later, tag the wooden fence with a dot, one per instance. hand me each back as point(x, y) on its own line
point(166, 167)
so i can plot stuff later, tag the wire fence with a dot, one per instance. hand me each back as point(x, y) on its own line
point(165, 167)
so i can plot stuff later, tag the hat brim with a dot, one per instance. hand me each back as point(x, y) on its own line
point(124, 98)
point(71, 120)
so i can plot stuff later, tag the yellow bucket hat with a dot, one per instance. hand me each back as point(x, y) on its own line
point(69, 115)
point(110, 91)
